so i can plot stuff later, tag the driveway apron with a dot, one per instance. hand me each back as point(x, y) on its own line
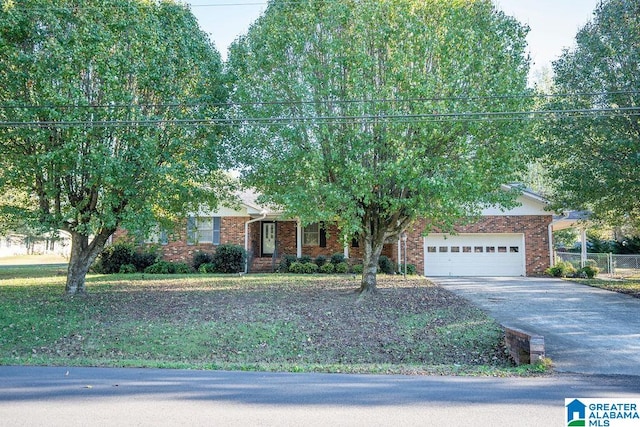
point(586, 330)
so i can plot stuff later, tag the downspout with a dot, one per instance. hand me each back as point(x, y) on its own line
point(246, 239)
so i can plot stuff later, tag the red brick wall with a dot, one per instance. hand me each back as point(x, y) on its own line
point(231, 232)
point(534, 228)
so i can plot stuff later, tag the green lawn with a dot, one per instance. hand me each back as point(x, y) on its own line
point(256, 322)
point(630, 286)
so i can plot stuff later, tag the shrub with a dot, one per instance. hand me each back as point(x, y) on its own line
point(310, 268)
point(327, 268)
point(200, 258)
point(304, 259)
point(337, 258)
point(142, 260)
point(181, 268)
point(207, 267)
point(229, 259)
point(296, 268)
point(286, 262)
point(589, 271)
point(160, 267)
point(386, 265)
point(411, 269)
point(320, 260)
point(115, 256)
point(357, 269)
point(561, 269)
point(342, 267)
point(127, 269)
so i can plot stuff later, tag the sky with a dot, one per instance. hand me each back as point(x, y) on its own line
point(553, 23)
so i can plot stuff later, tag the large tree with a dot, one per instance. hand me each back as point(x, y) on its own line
point(372, 113)
point(97, 100)
point(592, 143)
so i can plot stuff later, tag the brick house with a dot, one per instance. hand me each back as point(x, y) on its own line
point(516, 242)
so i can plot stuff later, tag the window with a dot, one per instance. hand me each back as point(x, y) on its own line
point(466, 249)
point(443, 249)
point(311, 235)
point(477, 249)
point(455, 248)
point(157, 235)
point(431, 249)
point(203, 230)
point(502, 249)
point(514, 249)
point(490, 249)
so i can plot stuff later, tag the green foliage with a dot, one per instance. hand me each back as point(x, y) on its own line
point(128, 269)
point(342, 267)
point(160, 267)
point(411, 269)
point(588, 271)
point(561, 269)
point(592, 158)
point(200, 258)
point(357, 268)
point(394, 161)
point(207, 268)
point(166, 267)
point(97, 146)
point(327, 268)
point(309, 268)
point(181, 268)
point(337, 258)
point(566, 238)
point(296, 268)
point(385, 265)
point(229, 258)
point(286, 262)
point(320, 260)
point(114, 257)
point(304, 259)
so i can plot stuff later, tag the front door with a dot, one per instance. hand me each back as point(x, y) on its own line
point(268, 238)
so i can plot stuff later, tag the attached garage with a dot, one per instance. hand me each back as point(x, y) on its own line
point(475, 254)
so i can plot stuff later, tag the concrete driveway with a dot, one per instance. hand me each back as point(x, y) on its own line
point(586, 330)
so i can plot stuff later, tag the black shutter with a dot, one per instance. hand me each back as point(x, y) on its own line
point(323, 235)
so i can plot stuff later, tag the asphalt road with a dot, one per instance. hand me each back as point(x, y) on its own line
point(41, 396)
point(586, 330)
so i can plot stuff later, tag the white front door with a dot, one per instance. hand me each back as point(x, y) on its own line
point(268, 238)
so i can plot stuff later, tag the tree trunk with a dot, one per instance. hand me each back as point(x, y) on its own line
point(83, 254)
point(372, 251)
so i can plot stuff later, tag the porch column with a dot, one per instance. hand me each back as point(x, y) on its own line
point(298, 239)
point(583, 248)
point(346, 250)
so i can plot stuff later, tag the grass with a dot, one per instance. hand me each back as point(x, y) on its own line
point(629, 286)
point(256, 322)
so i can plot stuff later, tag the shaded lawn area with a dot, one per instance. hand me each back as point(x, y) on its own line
point(256, 322)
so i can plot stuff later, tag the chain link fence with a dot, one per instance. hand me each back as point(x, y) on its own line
point(614, 265)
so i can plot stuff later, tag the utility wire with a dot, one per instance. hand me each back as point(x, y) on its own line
point(317, 120)
point(321, 102)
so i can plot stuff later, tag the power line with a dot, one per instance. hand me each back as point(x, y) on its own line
point(322, 102)
point(323, 120)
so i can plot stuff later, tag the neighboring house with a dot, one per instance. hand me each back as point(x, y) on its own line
point(516, 242)
point(13, 244)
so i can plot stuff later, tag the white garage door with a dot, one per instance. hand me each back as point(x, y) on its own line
point(474, 255)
